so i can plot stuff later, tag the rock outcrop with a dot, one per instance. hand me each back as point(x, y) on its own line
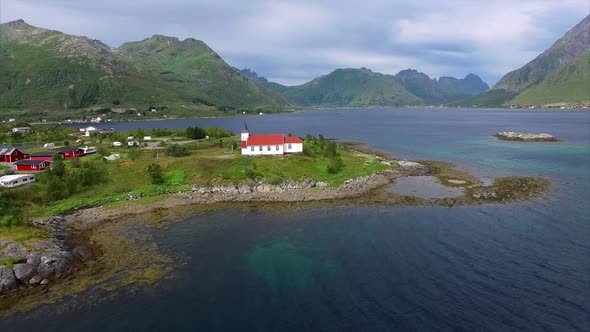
point(43, 262)
point(525, 137)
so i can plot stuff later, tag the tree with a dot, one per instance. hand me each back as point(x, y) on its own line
point(330, 150)
point(155, 173)
point(66, 143)
point(57, 167)
point(10, 211)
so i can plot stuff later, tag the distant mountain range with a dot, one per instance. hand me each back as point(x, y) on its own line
point(48, 70)
point(558, 76)
point(364, 88)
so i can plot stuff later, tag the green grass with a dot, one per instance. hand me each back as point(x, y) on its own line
point(23, 234)
point(9, 262)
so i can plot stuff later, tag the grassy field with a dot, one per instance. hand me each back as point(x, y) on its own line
point(208, 164)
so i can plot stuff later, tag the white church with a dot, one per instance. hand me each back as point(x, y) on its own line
point(269, 144)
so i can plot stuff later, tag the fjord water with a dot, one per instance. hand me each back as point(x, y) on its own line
point(522, 266)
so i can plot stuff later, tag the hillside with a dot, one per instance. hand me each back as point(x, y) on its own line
point(351, 88)
point(556, 76)
point(46, 72)
point(572, 45)
point(443, 90)
point(570, 84)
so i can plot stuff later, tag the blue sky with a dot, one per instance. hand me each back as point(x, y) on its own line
point(294, 41)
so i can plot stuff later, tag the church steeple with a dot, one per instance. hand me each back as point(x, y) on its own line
point(245, 133)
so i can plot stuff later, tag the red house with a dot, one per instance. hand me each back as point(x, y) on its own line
point(68, 153)
point(47, 156)
point(9, 154)
point(32, 165)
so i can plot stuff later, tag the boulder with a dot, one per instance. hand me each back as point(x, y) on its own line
point(15, 250)
point(24, 272)
point(53, 264)
point(7, 279)
point(44, 281)
point(35, 280)
point(321, 184)
point(34, 259)
point(404, 163)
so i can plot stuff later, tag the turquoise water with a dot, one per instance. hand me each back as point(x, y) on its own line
point(522, 266)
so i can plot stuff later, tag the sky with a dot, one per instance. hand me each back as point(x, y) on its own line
point(294, 41)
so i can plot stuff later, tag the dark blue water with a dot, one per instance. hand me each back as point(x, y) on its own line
point(523, 266)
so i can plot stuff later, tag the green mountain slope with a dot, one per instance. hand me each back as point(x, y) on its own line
point(49, 71)
point(559, 75)
point(351, 88)
point(573, 44)
point(443, 90)
point(570, 84)
point(191, 66)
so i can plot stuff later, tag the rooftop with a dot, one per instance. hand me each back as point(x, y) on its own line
point(30, 162)
point(14, 177)
point(266, 139)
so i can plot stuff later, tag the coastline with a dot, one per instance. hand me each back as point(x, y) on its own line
point(92, 230)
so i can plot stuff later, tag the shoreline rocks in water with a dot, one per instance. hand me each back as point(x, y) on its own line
point(525, 137)
point(44, 261)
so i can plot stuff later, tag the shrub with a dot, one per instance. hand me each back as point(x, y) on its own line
point(155, 173)
point(335, 165)
point(177, 150)
point(75, 162)
point(274, 179)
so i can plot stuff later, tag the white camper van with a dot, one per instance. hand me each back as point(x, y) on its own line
point(11, 181)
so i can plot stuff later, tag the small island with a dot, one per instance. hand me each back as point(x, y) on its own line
point(525, 137)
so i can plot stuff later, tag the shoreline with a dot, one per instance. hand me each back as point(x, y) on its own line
point(89, 256)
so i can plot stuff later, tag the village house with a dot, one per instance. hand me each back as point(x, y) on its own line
point(46, 156)
point(31, 165)
point(269, 144)
point(68, 153)
point(10, 154)
point(22, 130)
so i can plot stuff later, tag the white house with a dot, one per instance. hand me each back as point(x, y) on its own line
point(269, 144)
point(90, 130)
point(10, 181)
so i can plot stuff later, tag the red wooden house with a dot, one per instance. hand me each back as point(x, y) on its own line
point(68, 153)
point(32, 165)
point(47, 156)
point(10, 154)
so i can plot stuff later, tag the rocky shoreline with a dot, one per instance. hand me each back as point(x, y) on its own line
point(58, 257)
point(525, 137)
point(55, 258)
point(43, 261)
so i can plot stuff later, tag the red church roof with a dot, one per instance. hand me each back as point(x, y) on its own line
point(265, 139)
point(293, 139)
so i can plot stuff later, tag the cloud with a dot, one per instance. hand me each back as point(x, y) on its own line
point(293, 41)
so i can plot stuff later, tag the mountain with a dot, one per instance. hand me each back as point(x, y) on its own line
point(443, 90)
point(351, 88)
point(363, 88)
point(42, 69)
point(553, 77)
point(569, 84)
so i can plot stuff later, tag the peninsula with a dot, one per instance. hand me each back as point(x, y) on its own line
point(60, 224)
